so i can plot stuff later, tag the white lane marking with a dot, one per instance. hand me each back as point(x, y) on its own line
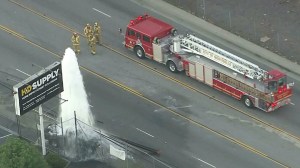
point(144, 132)
point(101, 12)
point(181, 107)
point(23, 72)
point(5, 136)
point(292, 103)
point(204, 162)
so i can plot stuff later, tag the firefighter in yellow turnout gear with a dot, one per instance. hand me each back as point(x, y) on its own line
point(92, 44)
point(76, 42)
point(97, 33)
point(88, 30)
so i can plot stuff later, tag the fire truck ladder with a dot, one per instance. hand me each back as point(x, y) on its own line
point(193, 44)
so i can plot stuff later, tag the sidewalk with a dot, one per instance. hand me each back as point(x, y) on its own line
point(219, 35)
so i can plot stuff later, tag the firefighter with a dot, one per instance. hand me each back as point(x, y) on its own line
point(97, 33)
point(92, 44)
point(76, 42)
point(88, 31)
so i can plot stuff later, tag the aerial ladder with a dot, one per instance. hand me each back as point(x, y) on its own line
point(193, 44)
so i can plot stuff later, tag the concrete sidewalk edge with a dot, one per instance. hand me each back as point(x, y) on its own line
point(213, 32)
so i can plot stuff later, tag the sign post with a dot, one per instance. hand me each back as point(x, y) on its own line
point(42, 130)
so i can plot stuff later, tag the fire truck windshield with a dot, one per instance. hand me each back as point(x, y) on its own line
point(282, 81)
point(272, 86)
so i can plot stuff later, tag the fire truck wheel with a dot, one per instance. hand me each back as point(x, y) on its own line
point(139, 52)
point(174, 32)
point(247, 102)
point(172, 66)
point(156, 40)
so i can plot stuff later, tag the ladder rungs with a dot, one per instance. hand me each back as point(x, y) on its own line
point(195, 44)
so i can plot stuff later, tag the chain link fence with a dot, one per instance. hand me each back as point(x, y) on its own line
point(76, 140)
point(81, 142)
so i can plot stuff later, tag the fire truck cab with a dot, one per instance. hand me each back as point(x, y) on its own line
point(277, 86)
point(147, 36)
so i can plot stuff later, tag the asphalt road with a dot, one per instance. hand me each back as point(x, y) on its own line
point(122, 113)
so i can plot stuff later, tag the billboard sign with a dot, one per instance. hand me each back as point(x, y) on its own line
point(38, 88)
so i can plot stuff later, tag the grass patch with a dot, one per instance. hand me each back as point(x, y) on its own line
point(55, 161)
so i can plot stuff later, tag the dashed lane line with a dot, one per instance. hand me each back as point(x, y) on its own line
point(144, 132)
point(101, 12)
point(204, 162)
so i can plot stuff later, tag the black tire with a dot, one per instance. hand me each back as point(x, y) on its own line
point(174, 32)
point(247, 102)
point(156, 40)
point(172, 66)
point(139, 52)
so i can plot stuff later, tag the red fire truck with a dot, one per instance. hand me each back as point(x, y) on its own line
point(152, 38)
